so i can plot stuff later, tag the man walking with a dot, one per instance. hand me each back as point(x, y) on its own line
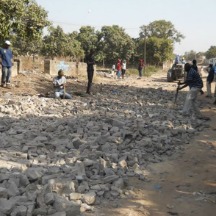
point(6, 62)
point(195, 84)
point(90, 70)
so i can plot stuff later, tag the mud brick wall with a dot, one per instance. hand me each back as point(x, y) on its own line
point(70, 68)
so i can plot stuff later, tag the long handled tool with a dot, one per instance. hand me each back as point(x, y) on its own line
point(64, 92)
point(176, 94)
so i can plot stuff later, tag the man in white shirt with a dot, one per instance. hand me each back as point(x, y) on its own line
point(59, 83)
point(123, 69)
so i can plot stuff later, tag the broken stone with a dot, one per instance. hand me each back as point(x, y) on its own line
point(89, 198)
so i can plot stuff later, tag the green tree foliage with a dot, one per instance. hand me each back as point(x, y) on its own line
point(189, 56)
point(211, 52)
point(23, 19)
point(115, 43)
point(158, 50)
point(161, 29)
point(160, 37)
point(58, 43)
point(88, 38)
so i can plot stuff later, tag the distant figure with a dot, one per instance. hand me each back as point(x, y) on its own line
point(119, 69)
point(177, 59)
point(183, 60)
point(59, 84)
point(215, 83)
point(113, 70)
point(140, 67)
point(6, 62)
point(209, 80)
point(90, 70)
point(124, 66)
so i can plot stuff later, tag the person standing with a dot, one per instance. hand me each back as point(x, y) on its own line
point(194, 65)
point(124, 66)
point(119, 69)
point(209, 80)
point(195, 84)
point(214, 68)
point(140, 68)
point(6, 58)
point(90, 70)
point(59, 84)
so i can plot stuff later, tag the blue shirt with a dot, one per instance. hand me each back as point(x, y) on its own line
point(194, 79)
point(6, 56)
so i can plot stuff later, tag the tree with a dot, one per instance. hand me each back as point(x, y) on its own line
point(211, 53)
point(88, 38)
point(160, 37)
point(161, 29)
point(114, 43)
point(23, 19)
point(189, 56)
point(158, 50)
point(58, 43)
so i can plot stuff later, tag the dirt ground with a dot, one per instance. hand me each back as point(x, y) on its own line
point(183, 184)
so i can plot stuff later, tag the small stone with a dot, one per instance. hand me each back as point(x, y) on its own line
point(84, 207)
point(34, 173)
point(110, 179)
point(49, 198)
point(19, 210)
point(89, 198)
point(6, 206)
point(75, 196)
point(3, 193)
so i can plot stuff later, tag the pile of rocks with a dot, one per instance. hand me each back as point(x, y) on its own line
point(61, 157)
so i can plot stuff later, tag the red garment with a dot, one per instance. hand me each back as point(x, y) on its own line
point(119, 66)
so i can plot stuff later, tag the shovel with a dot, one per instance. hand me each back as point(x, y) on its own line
point(176, 94)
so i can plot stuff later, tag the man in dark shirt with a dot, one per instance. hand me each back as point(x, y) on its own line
point(90, 70)
point(195, 84)
point(194, 65)
point(209, 80)
point(6, 62)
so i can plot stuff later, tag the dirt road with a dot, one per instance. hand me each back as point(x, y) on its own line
point(184, 184)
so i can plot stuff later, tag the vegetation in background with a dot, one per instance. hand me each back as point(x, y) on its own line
point(23, 23)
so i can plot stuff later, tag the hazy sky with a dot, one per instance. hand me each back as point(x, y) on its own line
point(195, 19)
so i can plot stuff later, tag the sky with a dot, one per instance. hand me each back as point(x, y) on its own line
point(195, 19)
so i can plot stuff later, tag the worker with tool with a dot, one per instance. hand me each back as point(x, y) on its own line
point(195, 84)
point(59, 83)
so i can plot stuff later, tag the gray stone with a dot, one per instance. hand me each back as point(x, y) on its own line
point(3, 193)
point(63, 213)
point(84, 207)
point(6, 206)
point(49, 198)
point(12, 188)
point(19, 211)
point(75, 196)
point(110, 179)
point(62, 204)
point(119, 183)
point(89, 198)
point(34, 173)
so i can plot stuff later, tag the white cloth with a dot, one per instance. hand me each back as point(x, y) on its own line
point(124, 66)
point(59, 82)
point(191, 102)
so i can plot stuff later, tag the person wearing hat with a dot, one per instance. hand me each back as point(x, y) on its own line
point(59, 84)
point(6, 62)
